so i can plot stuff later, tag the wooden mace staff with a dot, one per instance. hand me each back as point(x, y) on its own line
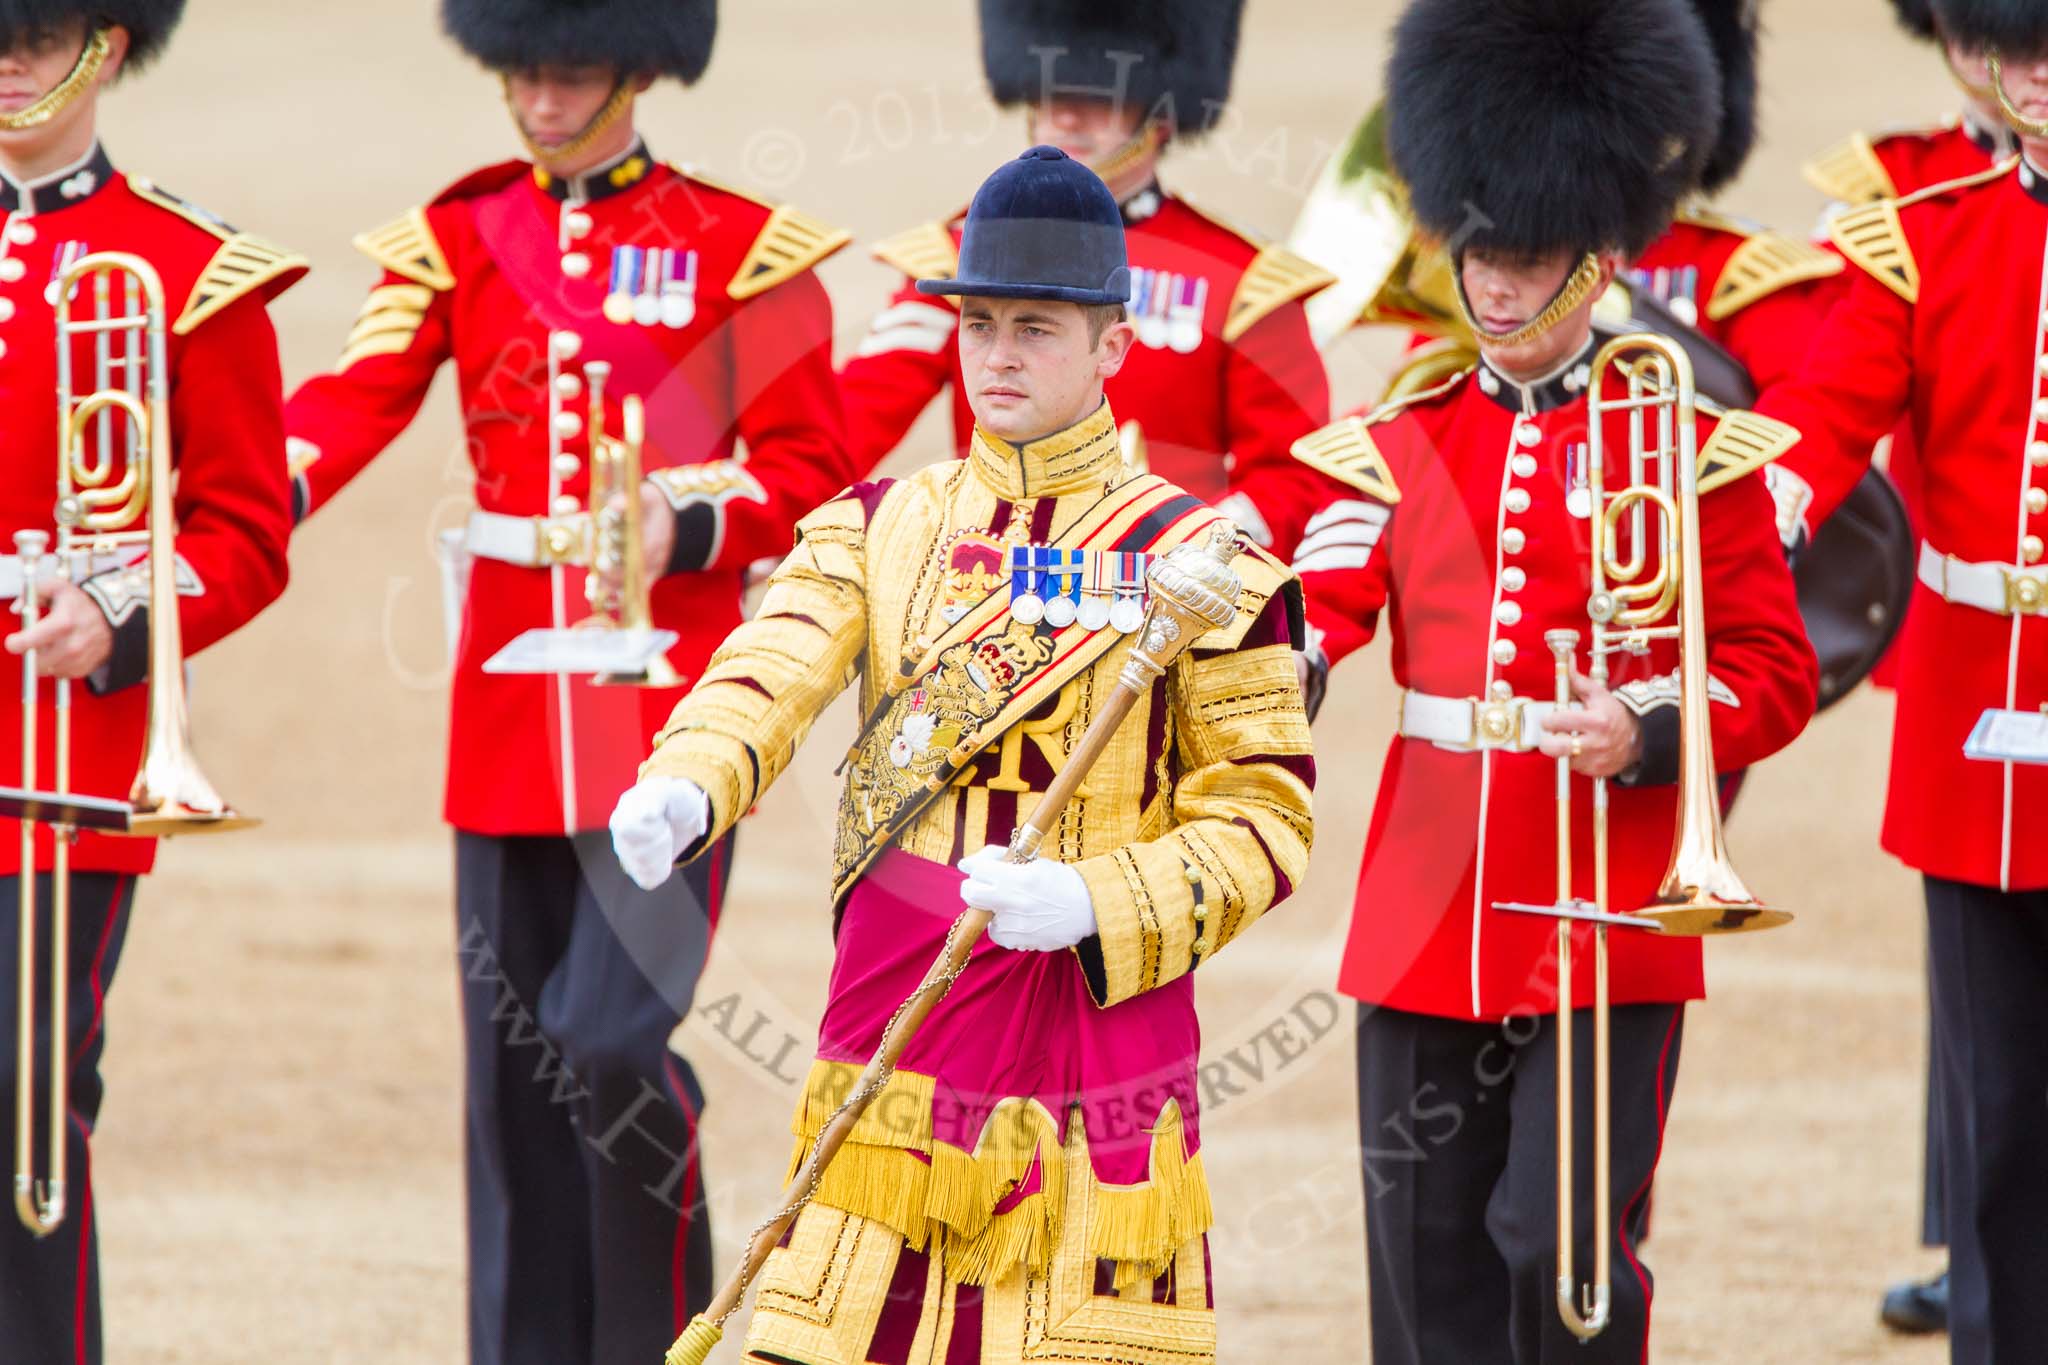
point(1193, 590)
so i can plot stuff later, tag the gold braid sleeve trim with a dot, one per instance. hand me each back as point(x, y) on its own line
point(737, 730)
point(1237, 821)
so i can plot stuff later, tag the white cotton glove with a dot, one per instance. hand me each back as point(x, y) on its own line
point(1040, 906)
point(654, 822)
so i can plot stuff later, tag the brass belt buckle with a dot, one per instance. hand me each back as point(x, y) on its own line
point(2025, 594)
point(559, 540)
point(1496, 724)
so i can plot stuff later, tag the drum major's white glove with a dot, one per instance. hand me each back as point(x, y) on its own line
point(654, 822)
point(1039, 906)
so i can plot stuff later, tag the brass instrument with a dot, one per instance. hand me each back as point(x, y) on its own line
point(1650, 591)
point(1356, 224)
point(114, 470)
point(617, 586)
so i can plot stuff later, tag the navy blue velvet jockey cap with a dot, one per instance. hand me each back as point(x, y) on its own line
point(1042, 227)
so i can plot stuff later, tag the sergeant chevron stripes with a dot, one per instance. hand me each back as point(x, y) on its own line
point(1342, 536)
point(907, 326)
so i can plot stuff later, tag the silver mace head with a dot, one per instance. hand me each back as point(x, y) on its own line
point(1194, 591)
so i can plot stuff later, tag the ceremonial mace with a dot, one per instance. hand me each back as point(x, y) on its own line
point(1193, 590)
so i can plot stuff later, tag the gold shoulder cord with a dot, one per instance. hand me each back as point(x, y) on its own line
point(1575, 291)
point(83, 72)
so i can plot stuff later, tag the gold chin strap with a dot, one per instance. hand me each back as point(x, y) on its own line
point(2028, 127)
point(1120, 160)
point(621, 99)
point(83, 72)
point(1147, 141)
point(1577, 288)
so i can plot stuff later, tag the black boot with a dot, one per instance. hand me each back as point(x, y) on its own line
point(1917, 1307)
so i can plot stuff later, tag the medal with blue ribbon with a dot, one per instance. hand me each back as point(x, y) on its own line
point(1027, 573)
point(1065, 569)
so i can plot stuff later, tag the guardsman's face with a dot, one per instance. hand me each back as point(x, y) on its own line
point(1031, 366)
point(1508, 289)
point(1086, 130)
point(555, 102)
point(32, 63)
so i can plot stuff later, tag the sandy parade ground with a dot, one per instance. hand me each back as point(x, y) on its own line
point(278, 1169)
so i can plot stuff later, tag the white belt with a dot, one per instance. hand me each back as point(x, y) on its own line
point(534, 542)
point(10, 571)
point(1469, 725)
point(2001, 589)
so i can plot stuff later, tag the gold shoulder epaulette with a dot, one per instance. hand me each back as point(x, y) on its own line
point(789, 244)
point(242, 264)
point(1742, 442)
point(1345, 451)
point(1275, 276)
point(1850, 173)
point(925, 252)
point(407, 246)
point(1875, 239)
point(1762, 266)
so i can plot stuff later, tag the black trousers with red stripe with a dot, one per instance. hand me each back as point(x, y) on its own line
point(1988, 954)
point(1458, 1131)
point(588, 1235)
point(50, 1286)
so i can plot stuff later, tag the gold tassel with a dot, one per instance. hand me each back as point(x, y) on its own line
point(950, 1201)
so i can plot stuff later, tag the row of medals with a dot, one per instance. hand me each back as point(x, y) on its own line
point(1122, 611)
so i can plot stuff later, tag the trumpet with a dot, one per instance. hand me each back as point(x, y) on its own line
point(1637, 597)
point(114, 471)
point(617, 587)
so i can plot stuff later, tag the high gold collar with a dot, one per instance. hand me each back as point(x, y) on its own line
point(1064, 462)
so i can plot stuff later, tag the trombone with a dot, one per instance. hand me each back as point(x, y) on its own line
point(114, 469)
point(1637, 598)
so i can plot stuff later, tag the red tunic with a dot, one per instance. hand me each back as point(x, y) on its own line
point(1757, 294)
point(1466, 538)
point(1920, 336)
point(1863, 170)
point(227, 437)
point(1223, 379)
point(498, 274)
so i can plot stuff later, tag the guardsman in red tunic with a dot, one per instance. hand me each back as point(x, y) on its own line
point(61, 198)
point(1942, 326)
point(593, 263)
point(1863, 169)
point(1463, 522)
point(1225, 375)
